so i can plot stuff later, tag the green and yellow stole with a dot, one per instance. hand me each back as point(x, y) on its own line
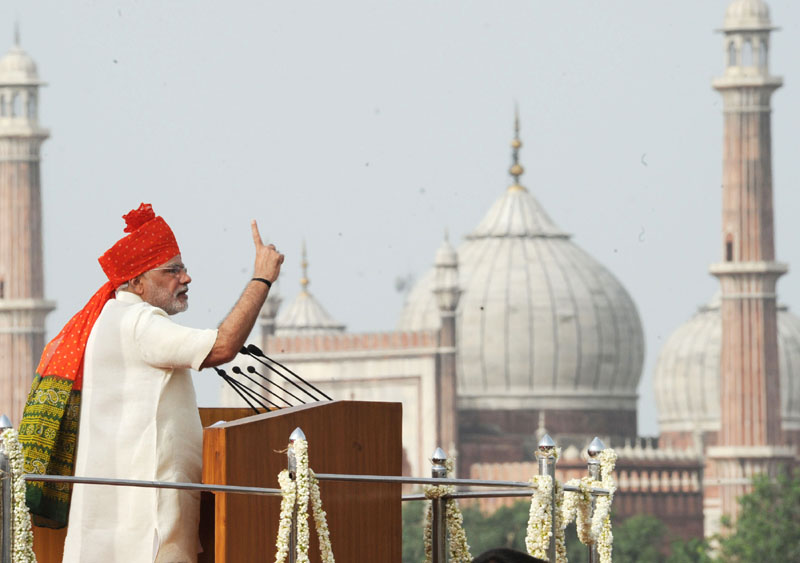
point(49, 434)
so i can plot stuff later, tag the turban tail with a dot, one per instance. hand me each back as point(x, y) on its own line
point(49, 428)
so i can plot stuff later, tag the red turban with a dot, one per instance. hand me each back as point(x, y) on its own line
point(149, 244)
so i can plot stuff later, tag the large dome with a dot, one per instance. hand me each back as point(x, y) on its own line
point(540, 323)
point(687, 373)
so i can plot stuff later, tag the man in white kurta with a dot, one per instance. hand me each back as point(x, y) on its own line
point(138, 397)
point(138, 414)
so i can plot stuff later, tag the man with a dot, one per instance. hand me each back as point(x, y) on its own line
point(138, 413)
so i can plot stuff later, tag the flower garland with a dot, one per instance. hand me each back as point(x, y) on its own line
point(296, 495)
point(457, 544)
point(578, 506)
point(540, 518)
point(22, 547)
point(601, 519)
point(593, 528)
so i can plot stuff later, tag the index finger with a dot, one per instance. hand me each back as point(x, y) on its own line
point(256, 234)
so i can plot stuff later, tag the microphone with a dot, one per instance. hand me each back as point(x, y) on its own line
point(256, 352)
point(229, 381)
point(252, 369)
point(237, 370)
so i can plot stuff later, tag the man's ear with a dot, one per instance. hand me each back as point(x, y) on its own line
point(136, 285)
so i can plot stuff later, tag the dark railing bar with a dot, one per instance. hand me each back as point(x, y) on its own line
point(320, 476)
point(422, 480)
point(496, 494)
point(152, 484)
point(474, 494)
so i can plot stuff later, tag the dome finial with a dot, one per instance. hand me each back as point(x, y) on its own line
point(16, 33)
point(304, 264)
point(516, 169)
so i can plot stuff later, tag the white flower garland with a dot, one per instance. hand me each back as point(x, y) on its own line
point(296, 494)
point(601, 519)
point(540, 518)
point(593, 528)
point(578, 506)
point(457, 544)
point(22, 547)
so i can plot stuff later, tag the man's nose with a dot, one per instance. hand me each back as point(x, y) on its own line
point(186, 279)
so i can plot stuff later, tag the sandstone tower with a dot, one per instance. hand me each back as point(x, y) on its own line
point(22, 304)
point(751, 439)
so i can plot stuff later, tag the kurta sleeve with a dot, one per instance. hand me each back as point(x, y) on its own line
point(166, 344)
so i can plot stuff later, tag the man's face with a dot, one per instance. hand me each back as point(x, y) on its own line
point(167, 286)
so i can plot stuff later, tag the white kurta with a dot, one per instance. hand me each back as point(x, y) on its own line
point(139, 420)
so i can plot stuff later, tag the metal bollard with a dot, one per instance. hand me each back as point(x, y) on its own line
point(6, 529)
point(297, 434)
point(438, 510)
point(547, 466)
point(595, 448)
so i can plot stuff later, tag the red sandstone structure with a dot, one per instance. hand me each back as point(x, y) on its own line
point(22, 305)
point(751, 439)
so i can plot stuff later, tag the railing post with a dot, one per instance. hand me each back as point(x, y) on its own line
point(595, 448)
point(6, 529)
point(438, 509)
point(297, 434)
point(547, 466)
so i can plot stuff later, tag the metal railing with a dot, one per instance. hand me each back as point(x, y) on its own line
point(6, 531)
point(546, 456)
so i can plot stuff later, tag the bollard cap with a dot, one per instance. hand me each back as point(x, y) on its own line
point(438, 457)
point(5, 422)
point(595, 447)
point(297, 434)
point(546, 444)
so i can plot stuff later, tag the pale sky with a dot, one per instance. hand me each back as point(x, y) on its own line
point(368, 128)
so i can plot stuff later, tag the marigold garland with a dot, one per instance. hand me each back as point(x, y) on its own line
point(457, 544)
point(296, 494)
point(22, 547)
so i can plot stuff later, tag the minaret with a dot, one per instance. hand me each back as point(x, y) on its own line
point(447, 293)
point(22, 304)
point(750, 435)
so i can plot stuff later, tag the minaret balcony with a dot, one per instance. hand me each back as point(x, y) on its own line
point(731, 81)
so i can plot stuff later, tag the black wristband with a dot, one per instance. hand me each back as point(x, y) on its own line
point(266, 281)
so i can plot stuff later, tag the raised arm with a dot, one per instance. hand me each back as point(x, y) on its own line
point(235, 328)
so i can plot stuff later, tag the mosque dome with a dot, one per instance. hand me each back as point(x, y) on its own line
point(746, 14)
point(540, 323)
point(17, 67)
point(687, 373)
point(305, 315)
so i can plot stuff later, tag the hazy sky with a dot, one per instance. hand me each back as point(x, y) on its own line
point(369, 127)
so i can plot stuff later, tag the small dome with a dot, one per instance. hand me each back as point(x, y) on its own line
point(446, 255)
point(539, 322)
point(305, 316)
point(746, 14)
point(17, 67)
point(687, 373)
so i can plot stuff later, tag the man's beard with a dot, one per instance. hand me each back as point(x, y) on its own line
point(170, 302)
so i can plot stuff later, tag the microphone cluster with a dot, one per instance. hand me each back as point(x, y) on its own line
point(292, 385)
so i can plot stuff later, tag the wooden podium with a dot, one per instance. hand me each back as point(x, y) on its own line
point(348, 437)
